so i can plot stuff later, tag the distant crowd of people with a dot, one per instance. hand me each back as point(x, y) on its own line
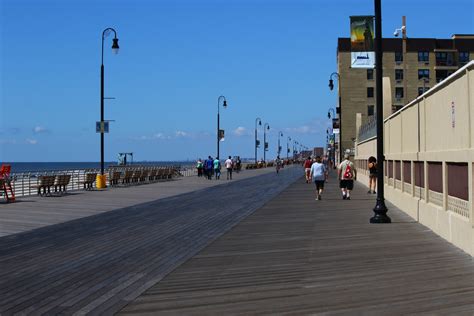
point(211, 167)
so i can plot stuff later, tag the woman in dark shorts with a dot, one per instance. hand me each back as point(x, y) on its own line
point(372, 165)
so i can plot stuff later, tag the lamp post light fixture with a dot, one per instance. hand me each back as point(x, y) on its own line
point(258, 121)
point(279, 147)
point(331, 87)
point(115, 48)
point(220, 134)
point(265, 144)
point(288, 141)
point(380, 209)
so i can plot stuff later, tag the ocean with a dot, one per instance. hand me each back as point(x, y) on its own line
point(18, 167)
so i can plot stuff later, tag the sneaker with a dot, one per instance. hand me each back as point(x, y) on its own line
point(373, 192)
point(343, 197)
point(369, 192)
point(348, 198)
point(319, 197)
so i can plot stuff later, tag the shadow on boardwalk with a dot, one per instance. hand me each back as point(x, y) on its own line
point(300, 256)
point(100, 263)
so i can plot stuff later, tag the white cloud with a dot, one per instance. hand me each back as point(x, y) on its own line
point(31, 141)
point(40, 129)
point(240, 131)
point(181, 134)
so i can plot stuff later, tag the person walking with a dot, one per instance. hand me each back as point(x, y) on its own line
point(238, 164)
point(346, 173)
point(307, 169)
point(208, 165)
point(278, 164)
point(229, 165)
point(319, 175)
point(199, 167)
point(372, 174)
point(217, 168)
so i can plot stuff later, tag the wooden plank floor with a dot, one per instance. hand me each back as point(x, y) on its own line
point(34, 212)
point(99, 263)
point(297, 256)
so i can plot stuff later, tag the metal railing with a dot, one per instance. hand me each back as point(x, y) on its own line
point(368, 130)
point(25, 183)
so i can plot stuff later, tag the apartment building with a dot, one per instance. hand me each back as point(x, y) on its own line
point(425, 62)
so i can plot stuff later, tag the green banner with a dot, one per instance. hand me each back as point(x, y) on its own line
point(362, 33)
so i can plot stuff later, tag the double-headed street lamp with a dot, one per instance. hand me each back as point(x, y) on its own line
point(265, 144)
point(115, 49)
point(331, 87)
point(220, 134)
point(279, 147)
point(380, 209)
point(295, 143)
point(288, 141)
point(258, 121)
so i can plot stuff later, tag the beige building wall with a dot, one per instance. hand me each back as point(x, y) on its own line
point(434, 128)
point(354, 84)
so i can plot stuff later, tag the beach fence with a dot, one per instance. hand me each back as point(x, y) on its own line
point(26, 183)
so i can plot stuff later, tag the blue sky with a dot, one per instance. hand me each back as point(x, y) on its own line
point(270, 58)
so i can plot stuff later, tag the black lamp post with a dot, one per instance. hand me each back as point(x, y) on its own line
point(258, 121)
point(295, 143)
point(288, 140)
point(115, 48)
point(333, 153)
point(380, 209)
point(265, 145)
point(279, 147)
point(219, 135)
point(331, 87)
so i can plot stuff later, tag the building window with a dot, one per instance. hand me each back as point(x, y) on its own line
point(370, 92)
point(399, 93)
point(423, 73)
point(445, 59)
point(463, 57)
point(422, 90)
point(424, 56)
point(398, 74)
point(398, 57)
point(370, 74)
point(370, 110)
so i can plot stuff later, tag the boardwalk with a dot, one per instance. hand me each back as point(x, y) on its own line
point(100, 263)
point(261, 245)
point(34, 212)
point(300, 256)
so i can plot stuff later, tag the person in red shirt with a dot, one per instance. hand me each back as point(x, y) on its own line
point(307, 169)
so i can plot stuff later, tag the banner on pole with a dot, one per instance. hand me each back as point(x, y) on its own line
point(362, 42)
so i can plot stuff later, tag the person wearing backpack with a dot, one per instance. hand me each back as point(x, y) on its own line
point(347, 174)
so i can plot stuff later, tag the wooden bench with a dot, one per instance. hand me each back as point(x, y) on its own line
point(136, 175)
point(152, 174)
point(127, 177)
point(44, 185)
point(115, 178)
point(144, 175)
point(62, 181)
point(89, 181)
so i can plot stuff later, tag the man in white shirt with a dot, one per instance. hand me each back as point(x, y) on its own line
point(229, 164)
point(347, 173)
point(319, 174)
